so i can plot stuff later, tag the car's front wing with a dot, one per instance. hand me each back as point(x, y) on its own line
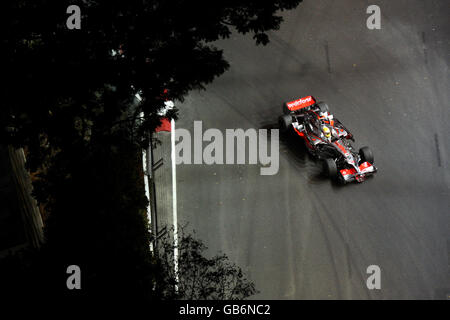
point(349, 175)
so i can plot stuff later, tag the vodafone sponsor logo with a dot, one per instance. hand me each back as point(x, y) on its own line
point(300, 103)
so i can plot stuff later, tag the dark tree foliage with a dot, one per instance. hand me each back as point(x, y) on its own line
point(55, 75)
point(70, 101)
point(97, 220)
point(198, 277)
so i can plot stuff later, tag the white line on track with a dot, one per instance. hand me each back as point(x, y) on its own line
point(174, 203)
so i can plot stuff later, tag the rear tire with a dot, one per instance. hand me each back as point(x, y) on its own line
point(366, 155)
point(285, 122)
point(330, 168)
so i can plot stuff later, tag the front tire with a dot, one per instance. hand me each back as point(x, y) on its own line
point(366, 155)
point(330, 168)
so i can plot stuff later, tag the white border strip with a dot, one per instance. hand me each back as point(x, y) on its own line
point(174, 203)
point(146, 168)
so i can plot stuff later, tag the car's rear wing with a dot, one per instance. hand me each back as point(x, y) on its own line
point(300, 103)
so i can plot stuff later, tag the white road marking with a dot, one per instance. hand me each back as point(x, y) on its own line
point(146, 168)
point(174, 203)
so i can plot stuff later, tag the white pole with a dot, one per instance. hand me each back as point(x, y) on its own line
point(174, 203)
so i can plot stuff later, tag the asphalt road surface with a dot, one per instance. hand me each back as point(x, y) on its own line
point(297, 235)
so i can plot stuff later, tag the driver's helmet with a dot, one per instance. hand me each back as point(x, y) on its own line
point(326, 132)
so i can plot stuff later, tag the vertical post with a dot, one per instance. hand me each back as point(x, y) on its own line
point(174, 203)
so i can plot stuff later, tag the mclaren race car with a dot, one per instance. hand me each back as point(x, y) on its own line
point(327, 140)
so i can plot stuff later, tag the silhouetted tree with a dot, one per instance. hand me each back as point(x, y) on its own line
point(69, 85)
point(198, 277)
point(68, 96)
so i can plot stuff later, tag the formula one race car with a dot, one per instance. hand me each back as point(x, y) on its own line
point(327, 139)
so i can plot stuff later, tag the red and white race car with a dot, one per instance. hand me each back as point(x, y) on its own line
point(327, 139)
